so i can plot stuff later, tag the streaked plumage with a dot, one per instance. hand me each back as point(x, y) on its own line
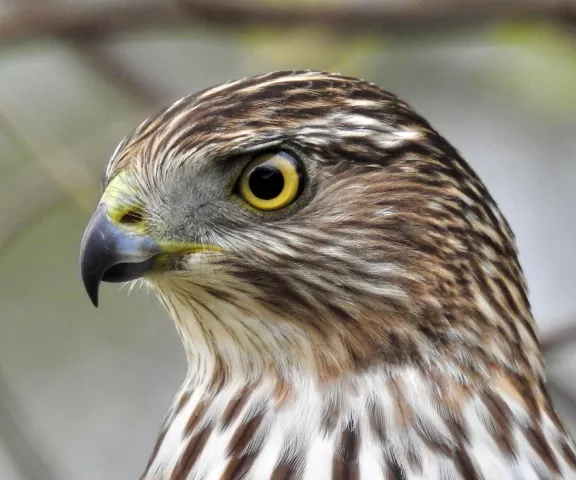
point(377, 328)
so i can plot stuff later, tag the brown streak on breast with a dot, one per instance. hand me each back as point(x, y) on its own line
point(434, 439)
point(195, 417)
point(191, 453)
point(218, 376)
point(239, 467)
point(377, 420)
point(548, 408)
point(395, 470)
point(345, 465)
point(330, 418)
point(414, 460)
point(233, 409)
point(240, 460)
point(183, 400)
point(569, 454)
point(464, 465)
point(159, 441)
point(541, 447)
point(457, 427)
point(500, 425)
point(285, 471)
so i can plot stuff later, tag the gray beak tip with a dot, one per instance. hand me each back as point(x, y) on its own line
point(110, 254)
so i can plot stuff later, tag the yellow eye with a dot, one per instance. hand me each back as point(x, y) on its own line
point(271, 181)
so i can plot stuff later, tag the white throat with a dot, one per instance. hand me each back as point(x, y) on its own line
point(226, 333)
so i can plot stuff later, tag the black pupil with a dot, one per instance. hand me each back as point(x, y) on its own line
point(266, 182)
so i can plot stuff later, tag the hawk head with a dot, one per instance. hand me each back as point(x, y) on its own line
point(309, 221)
point(347, 291)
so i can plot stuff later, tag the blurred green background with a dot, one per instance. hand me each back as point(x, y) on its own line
point(83, 391)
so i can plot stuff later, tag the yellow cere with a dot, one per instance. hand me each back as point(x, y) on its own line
point(120, 201)
point(289, 191)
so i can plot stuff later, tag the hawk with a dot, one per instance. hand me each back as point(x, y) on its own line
point(347, 291)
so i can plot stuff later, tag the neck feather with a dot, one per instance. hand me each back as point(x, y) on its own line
point(228, 333)
point(268, 399)
point(400, 423)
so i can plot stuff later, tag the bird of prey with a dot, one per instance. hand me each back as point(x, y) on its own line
point(347, 291)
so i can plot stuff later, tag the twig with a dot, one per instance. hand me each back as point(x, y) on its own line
point(96, 56)
point(404, 17)
point(106, 65)
point(73, 177)
point(32, 191)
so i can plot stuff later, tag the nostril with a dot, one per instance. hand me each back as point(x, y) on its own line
point(131, 218)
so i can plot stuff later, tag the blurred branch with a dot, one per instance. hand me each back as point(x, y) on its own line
point(97, 57)
point(404, 17)
point(116, 73)
point(33, 194)
point(67, 172)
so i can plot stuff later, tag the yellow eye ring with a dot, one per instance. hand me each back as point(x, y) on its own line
point(271, 181)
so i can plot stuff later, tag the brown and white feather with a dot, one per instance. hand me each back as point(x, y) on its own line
point(380, 330)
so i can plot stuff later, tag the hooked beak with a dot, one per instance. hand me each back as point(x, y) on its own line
point(111, 254)
point(117, 249)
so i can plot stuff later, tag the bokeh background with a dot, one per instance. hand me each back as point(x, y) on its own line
point(83, 391)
